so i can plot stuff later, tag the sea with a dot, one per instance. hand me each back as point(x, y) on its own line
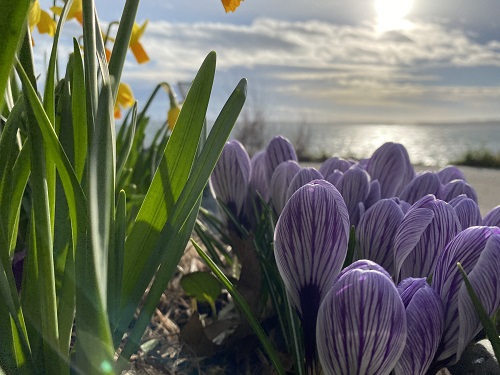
point(435, 144)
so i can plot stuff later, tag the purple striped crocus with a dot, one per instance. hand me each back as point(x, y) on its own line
point(420, 186)
point(467, 211)
point(334, 164)
point(426, 229)
point(478, 251)
point(280, 181)
point(310, 242)
point(278, 150)
point(361, 325)
point(492, 218)
point(231, 176)
point(391, 166)
point(425, 320)
point(376, 231)
point(354, 185)
point(258, 181)
point(455, 188)
point(450, 173)
point(304, 176)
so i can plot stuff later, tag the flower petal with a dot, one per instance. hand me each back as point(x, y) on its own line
point(420, 186)
point(332, 164)
point(425, 321)
point(231, 176)
point(450, 173)
point(304, 176)
point(374, 194)
point(376, 231)
point(258, 180)
point(391, 166)
point(361, 325)
point(278, 150)
point(467, 211)
point(456, 187)
point(354, 187)
point(280, 181)
point(492, 218)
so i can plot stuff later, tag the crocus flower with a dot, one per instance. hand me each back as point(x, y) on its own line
point(376, 231)
point(334, 177)
point(373, 195)
point(231, 176)
point(467, 211)
point(450, 173)
point(124, 98)
point(354, 185)
point(135, 45)
point(231, 5)
point(425, 320)
point(492, 218)
point(361, 325)
point(423, 234)
point(258, 180)
point(391, 166)
point(333, 164)
point(41, 19)
point(478, 251)
point(302, 177)
point(310, 243)
point(420, 186)
point(278, 150)
point(456, 187)
point(282, 176)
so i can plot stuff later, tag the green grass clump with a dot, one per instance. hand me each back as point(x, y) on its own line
point(483, 158)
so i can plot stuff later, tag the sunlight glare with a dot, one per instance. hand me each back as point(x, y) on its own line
point(391, 14)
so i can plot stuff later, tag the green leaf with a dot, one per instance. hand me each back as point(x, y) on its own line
point(245, 309)
point(488, 326)
point(78, 109)
point(202, 286)
point(12, 24)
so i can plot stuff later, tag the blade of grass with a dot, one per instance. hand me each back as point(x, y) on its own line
point(78, 109)
point(489, 327)
point(244, 308)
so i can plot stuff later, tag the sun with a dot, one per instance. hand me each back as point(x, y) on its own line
point(391, 14)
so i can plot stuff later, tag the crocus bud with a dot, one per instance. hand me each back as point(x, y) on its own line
point(425, 320)
point(354, 185)
point(391, 166)
point(310, 242)
point(361, 325)
point(302, 177)
point(467, 211)
point(426, 229)
point(231, 176)
point(333, 164)
point(492, 218)
point(278, 150)
point(374, 194)
point(282, 176)
point(478, 251)
point(456, 187)
point(258, 180)
point(450, 173)
point(376, 231)
point(420, 186)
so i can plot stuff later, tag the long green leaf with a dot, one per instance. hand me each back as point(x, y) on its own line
point(489, 327)
point(78, 109)
point(166, 187)
point(244, 308)
point(12, 24)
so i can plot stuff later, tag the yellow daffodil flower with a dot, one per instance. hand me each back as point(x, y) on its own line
point(124, 98)
point(231, 5)
point(74, 12)
point(137, 49)
point(175, 107)
point(41, 19)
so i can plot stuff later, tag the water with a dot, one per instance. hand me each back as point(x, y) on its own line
point(427, 144)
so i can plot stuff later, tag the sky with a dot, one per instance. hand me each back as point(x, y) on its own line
point(325, 60)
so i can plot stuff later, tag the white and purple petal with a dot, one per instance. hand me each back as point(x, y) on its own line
point(361, 325)
point(280, 181)
point(455, 188)
point(467, 211)
point(478, 251)
point(259, 182)
point(278, 150)
point(425, 320)
point(391, 166)
point(492, 218)
point(333, 164)
point(301, 178)
point(354, 187)
point(376, 231)
point(420, 186)
point(231, 176)
point(374, 194)
point(450, 173)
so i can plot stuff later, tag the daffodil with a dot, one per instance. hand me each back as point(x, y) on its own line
point(41, 19)
point(231, 5)
point(137, 49)
point(74, 12)
point(124, 98)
